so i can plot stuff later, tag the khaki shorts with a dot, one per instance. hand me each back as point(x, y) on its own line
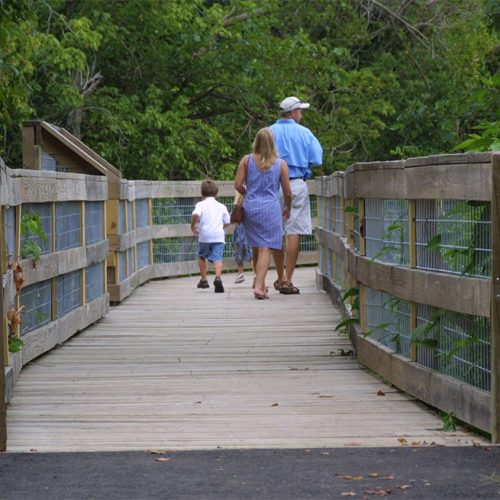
point(300, 216)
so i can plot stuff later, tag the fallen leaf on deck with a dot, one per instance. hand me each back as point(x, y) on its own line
point(380, 393)
point(405, 487)
point(373, 474)
point(378, 493)
point(156, 452)
point(403, 440)
point(348, 494)
point(352, 478)
point(275, 404)
point(162, 459)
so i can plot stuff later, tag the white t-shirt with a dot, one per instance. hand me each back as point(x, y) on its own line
point(213, 216)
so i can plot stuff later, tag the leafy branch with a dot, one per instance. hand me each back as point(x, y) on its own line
point(31, 226)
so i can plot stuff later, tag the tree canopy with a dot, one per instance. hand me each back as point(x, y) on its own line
point(177, 89)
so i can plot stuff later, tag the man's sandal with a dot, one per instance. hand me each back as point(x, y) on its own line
point(287, 288)
point(277, 285)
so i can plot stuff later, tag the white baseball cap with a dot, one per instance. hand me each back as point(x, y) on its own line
point(292, 103)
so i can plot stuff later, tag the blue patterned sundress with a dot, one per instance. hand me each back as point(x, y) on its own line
point(263, 219)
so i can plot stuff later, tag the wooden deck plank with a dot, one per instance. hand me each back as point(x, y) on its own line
point(175, 367)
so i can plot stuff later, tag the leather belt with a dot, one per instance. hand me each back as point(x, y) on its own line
point(293, 178)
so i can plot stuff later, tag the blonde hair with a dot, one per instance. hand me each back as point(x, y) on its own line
point(264, 147)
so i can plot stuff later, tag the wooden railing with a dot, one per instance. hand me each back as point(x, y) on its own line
point(414, 242)
point(413, 247)
point(103, 240)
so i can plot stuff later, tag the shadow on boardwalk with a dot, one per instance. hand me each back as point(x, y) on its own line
point(179, 368)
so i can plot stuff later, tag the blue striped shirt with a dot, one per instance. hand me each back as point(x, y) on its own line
point(298, 146)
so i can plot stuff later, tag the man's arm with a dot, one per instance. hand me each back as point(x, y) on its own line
point(315, 156)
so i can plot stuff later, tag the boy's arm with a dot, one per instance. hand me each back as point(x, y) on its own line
point(195, 221)
point(226, 220)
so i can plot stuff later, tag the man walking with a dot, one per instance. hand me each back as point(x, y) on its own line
point(300, 148)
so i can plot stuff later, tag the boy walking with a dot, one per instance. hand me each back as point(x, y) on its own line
point(208, 221)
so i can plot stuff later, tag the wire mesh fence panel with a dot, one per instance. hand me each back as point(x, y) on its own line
point(94, 281)
point(308, 243)
point(122, 219)
point(386, 231)
point(10, 233)
point(143, 254)
point(173, 210)
point(131, 261)
point(458, 345)
point(313, 203)
point(130, 216)
point(44, 212)
point(339, 265)
point(323, 256)
point(68, 292)
point(339, 219)
point(68, 225)
point(330, 214)
point(321, 212)
point(329, 268)
point(356, 226)
point(36, 300)
point(179, 249)
point(94, 222)
point(141, 213)
point(388, 320)
point(454, 236)
point(122, 264)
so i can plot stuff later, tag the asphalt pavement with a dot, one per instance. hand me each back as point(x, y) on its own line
point(408, 472)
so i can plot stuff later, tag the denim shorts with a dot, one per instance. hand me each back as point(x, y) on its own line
point(214, 252)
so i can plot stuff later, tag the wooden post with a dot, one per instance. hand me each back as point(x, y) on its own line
point(412, 241)
point(363, 325)
point(150, 223)
point(83, 242)
point(495, 299)
point(3, 333)
point(361, 225)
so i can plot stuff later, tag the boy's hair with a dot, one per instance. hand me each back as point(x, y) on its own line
point(209, 188)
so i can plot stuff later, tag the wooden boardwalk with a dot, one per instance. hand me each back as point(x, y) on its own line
point(174, 367)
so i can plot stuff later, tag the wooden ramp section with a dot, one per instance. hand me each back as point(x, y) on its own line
point(175, 368)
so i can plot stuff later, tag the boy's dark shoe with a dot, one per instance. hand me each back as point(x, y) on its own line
point(203, 284)
point(218, 285)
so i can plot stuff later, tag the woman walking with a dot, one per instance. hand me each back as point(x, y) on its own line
point(259, 177)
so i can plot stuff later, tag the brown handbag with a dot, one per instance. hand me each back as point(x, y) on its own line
point(237, 212)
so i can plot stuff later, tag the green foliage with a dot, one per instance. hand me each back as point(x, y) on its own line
point(15, 344)
point(31, 226)
point(351, 295)
point(343, 326)
point(177, 90)
point(394, 238)
point(449, 422)
point(351, 210)
point(467, 229)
